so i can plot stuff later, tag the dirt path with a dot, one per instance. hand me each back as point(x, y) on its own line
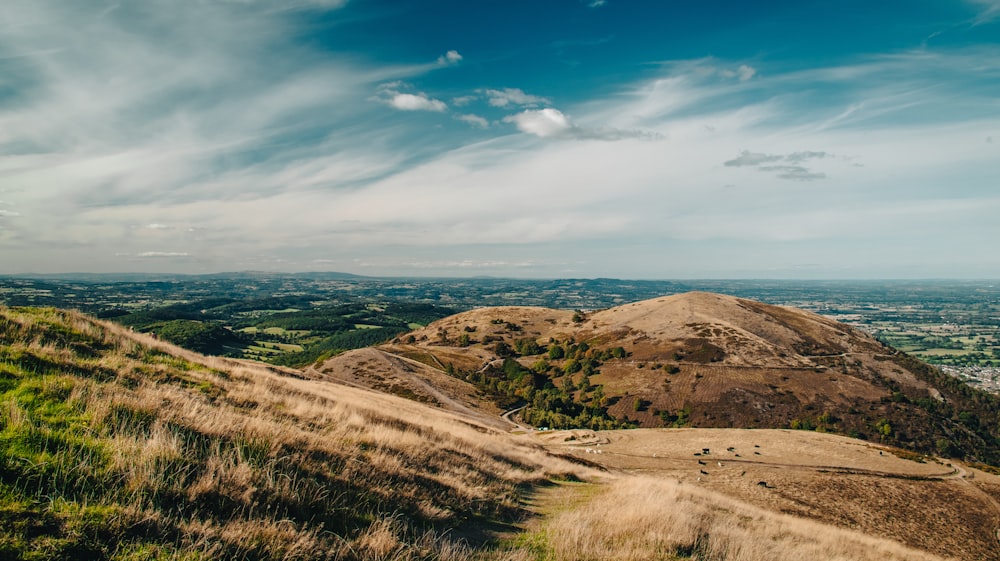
point(506, 416)
point(965, 477)
point(409, 369)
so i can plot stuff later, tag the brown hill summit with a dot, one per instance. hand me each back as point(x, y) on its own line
point(695, 359)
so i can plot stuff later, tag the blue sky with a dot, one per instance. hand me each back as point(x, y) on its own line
point(566, 138)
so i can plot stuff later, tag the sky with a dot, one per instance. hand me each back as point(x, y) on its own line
point(565, 138)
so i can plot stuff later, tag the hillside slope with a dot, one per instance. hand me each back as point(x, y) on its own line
point(117, 446)
point(705, 360)
point(114, 445)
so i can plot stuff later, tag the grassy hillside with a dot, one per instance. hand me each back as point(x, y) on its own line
point(115, 446)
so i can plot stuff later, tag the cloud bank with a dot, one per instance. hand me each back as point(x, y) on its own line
point(220, 137)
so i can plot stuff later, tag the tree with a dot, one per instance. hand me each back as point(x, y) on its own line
point(503, 350)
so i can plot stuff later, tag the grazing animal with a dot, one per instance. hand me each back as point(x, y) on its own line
point(720, 464)
point(704, 450)
point(703, 472)
point(730, 449)
point(762, 484)
point(701, 463)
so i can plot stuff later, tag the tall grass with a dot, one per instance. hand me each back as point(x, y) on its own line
point(117, 446)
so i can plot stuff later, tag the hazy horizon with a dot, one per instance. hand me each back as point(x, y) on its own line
point(570, 139)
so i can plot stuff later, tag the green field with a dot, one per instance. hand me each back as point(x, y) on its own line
point(946, 344)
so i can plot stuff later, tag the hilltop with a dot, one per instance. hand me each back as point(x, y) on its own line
point(698, 360)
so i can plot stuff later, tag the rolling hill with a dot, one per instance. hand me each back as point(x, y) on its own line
point(697, 360)
point(115, 445)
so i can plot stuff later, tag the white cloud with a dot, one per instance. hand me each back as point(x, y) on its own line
point(156, 226)
point(543, 122)
point(551, 122)
point(450, 57)
point(474, 120)
point(597, 3)
point(8, 213)
point(163, 254)
point(512, 96)
point(416, 102)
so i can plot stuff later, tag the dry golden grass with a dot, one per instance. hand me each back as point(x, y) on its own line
point(180, 455)
point(847, 483)
point(645, 518)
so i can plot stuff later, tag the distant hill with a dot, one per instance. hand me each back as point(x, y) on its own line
point(704, 360)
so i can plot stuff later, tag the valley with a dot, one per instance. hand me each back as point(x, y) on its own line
point(952, 323)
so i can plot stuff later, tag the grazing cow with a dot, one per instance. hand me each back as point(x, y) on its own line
point(703, 472)
point(762, 484)
point(701, 463)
